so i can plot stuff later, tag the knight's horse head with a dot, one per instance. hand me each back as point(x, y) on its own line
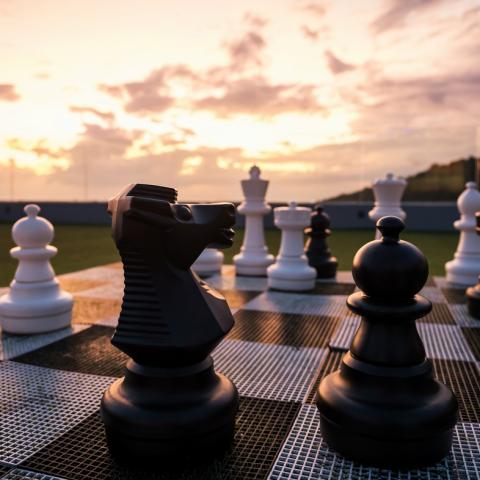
point(148, 217)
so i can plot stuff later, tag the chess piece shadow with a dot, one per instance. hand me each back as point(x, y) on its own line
point(171, 405)
point(383, 407)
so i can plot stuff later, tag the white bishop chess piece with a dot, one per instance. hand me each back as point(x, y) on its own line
point(34, 303)
point(253, 258)
point(464, 269)
point(388, 194)
point(291, 271)
point(208, 263)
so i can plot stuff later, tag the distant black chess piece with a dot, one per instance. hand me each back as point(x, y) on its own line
point(317, 251)
point(383, 407)
point(171, 404)
point(473, 293)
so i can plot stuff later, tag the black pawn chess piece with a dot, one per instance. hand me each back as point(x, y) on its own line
point(383, 407)
point(317, 251)
point(171, 404)
point(473, 293)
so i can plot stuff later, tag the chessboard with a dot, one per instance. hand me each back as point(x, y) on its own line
point(282, 345)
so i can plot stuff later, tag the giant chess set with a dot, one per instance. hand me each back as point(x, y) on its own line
point(270, 368)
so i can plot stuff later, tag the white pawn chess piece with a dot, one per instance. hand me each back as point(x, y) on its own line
point(291, 271)
point(253, 258)
point(388, 194)
point(34, 303)
point(208, 263)
point(464, 269)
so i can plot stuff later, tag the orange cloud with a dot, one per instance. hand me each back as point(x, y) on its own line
point(8, 93)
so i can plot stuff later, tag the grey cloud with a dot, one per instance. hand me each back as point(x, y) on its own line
point(398, 12)
point(336, 65)
point(257, 96)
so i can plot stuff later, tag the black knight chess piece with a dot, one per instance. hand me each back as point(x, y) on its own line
point(171, 403)
point(473, 293)
point(383, 407)
point(317, 251)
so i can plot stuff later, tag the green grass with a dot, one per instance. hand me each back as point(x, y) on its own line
point(79, 247)
point(87, 246)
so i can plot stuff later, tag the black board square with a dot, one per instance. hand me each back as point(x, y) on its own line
point(283, 328)
point(440, 314)
point(332, 288)
point(261, 428)
point(330, 363)
point(454, 295)
point(472, 335)
point(238, 298)
point(88, 351)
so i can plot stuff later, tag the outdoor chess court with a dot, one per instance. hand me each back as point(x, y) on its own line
point(280, 348)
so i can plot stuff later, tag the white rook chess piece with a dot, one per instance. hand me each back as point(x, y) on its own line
point(253, 258)
point(291, 271)
point(208, 263)
point(464, 269)
point(388, 194)
point(34, 303)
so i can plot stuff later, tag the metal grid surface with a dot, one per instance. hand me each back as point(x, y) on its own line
point(472, 336)
point(462, 317)
point(275, 372)
point(306, 456)
point(444, 341)
point(283, 328)
point(18, 474)
point(454, 295)
point(89, 351)
point(37, 405)
point(12, 346)
point(261, 428)
point(463, 379)
point(298, 303)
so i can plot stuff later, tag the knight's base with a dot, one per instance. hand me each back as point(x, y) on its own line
point(169, 413)
point(130, 450)
point(386, 452)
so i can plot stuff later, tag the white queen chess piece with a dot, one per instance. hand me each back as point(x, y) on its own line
point(464, 269)
point(253, 258)
point(291, 271)
point(388, 194)
point(34, 303)
point(208, 263)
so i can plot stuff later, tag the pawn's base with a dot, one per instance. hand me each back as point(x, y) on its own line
point(326, 270)
point(463, 272)
point(473, 301)
point(386, 452)
point(291, 285)
point(252, 264)
point(35, 325)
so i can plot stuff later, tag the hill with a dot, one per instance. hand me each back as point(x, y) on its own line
point(437, 184)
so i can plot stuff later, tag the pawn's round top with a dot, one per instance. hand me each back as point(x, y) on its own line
point(469, 201)
point(390, 179)
point(390, 269)
point(254, 172)
point(32, 231)
point(319, 219)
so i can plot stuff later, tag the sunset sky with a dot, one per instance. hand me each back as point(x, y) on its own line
point(324, 96)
